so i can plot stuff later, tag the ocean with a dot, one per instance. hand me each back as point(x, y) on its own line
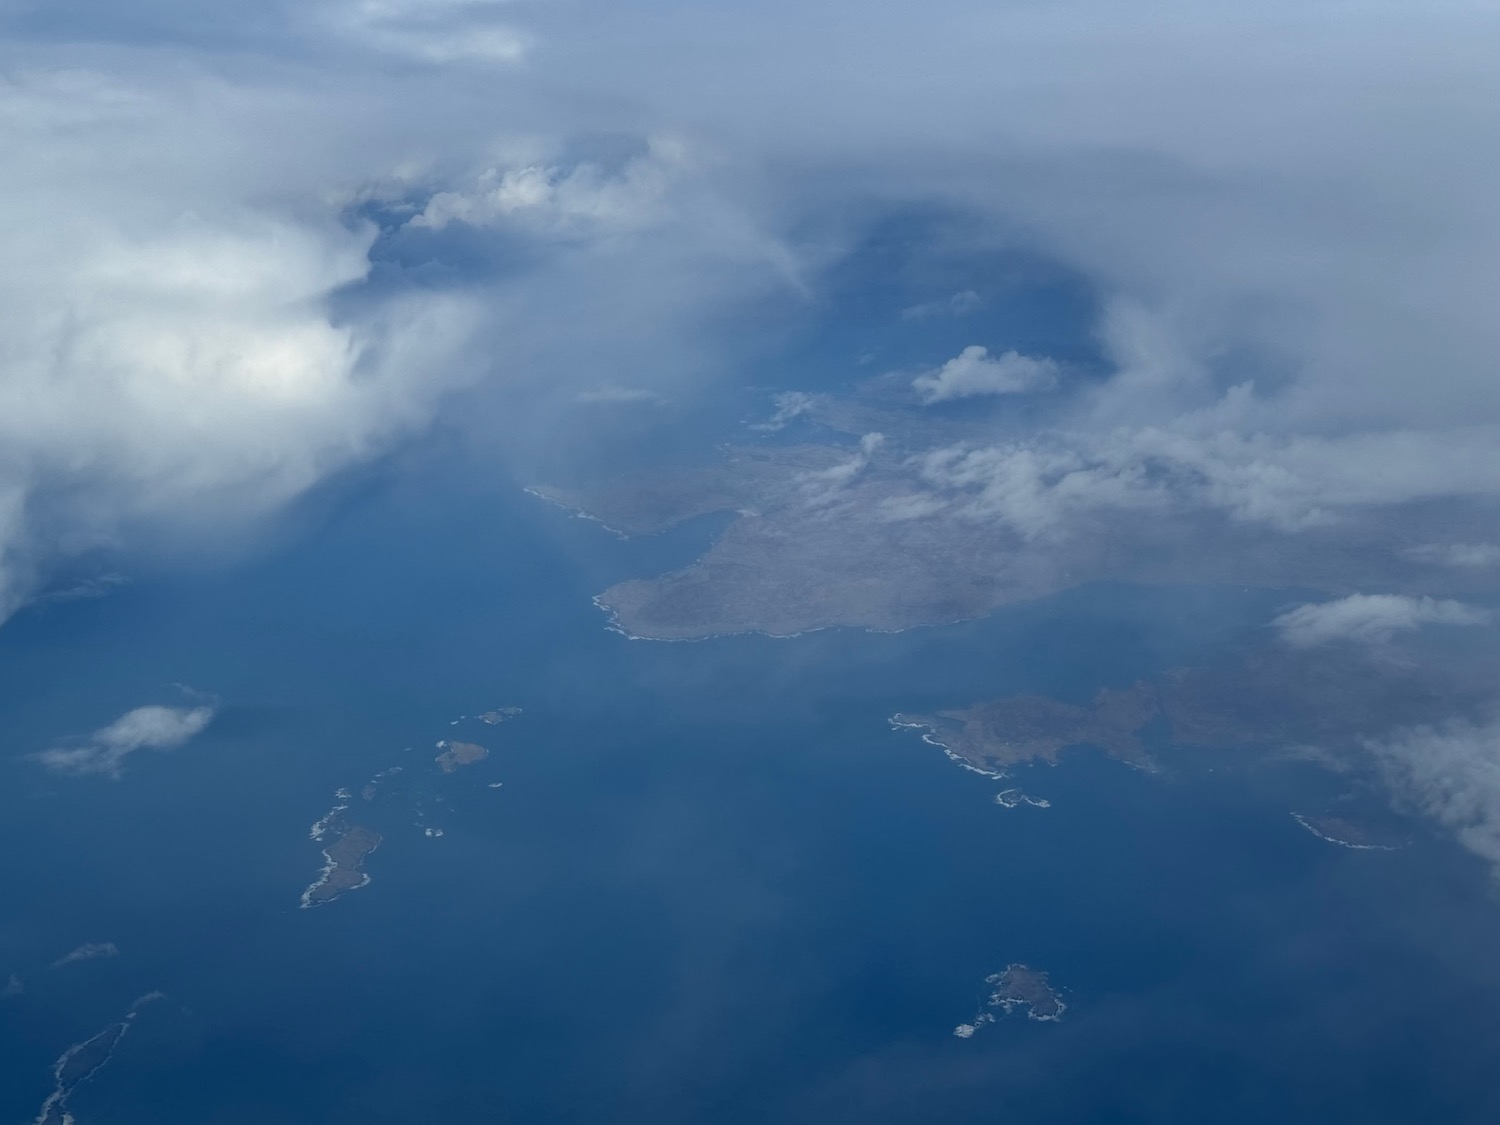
point(713, 885)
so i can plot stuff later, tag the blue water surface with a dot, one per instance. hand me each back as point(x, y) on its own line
point(715, 885)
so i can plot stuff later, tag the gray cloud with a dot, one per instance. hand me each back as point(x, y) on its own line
point(430, 31)
point(146, 728)
point(1464, 555)
point(1371, 617)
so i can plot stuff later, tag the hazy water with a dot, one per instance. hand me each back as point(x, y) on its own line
point(715, 885)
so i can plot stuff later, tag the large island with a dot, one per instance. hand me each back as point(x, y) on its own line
point(343, 870)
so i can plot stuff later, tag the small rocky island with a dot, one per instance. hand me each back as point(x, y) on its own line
point(452, 755)
point(1336, 828)
point(1017, 987)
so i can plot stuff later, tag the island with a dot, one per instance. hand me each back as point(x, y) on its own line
point(82, 1061)
point(896, 520)
point(343, 870)
point(455, 754)
point(991, 737)
point(1015, 798)
point(499, 715)
point(1335, 828)
point(1023, 986)
point(1018, 986)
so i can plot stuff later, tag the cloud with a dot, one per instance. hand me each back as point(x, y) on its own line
point(145, 728)
point(88, 951)
point(1451, 774)
point(960, 304)
point(250, 247)
point(1463, 555)
point(974, 372)
point(790, 405)
point(584, 196)
point(821, 487)
point(1371, 618)
point(178, 348)
point(431, 31)
point(1045, 480)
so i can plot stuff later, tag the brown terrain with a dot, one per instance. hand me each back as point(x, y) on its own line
point(456, 754)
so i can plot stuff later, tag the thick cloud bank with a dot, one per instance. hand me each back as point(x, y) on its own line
point(170, 351)
point(146, 728)
point(245, 250)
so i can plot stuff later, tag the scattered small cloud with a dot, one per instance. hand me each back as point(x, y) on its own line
point(1371, 618)
point(145, 728)
point(975, 372)
point(88, 951)
point(823, 486)
point(960, 304)
point(789, 405)
point(14, 986)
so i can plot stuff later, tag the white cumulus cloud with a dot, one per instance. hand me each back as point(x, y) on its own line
point(975, 372)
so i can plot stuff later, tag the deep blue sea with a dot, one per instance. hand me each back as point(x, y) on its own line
point(715, 886)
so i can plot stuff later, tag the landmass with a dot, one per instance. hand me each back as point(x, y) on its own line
point(1018, 986)
point(346, 845)
point(1350, 833)
point(991, 737)
point(893, 529)
point(343, 870)
point(82, 1061)
point(456, 754)
point(1326, 706)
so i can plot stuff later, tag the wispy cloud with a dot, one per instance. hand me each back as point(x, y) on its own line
point(1452, 774)
point(88, 951)
point(960, 304)
point(790, 405)
point(146, 728)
